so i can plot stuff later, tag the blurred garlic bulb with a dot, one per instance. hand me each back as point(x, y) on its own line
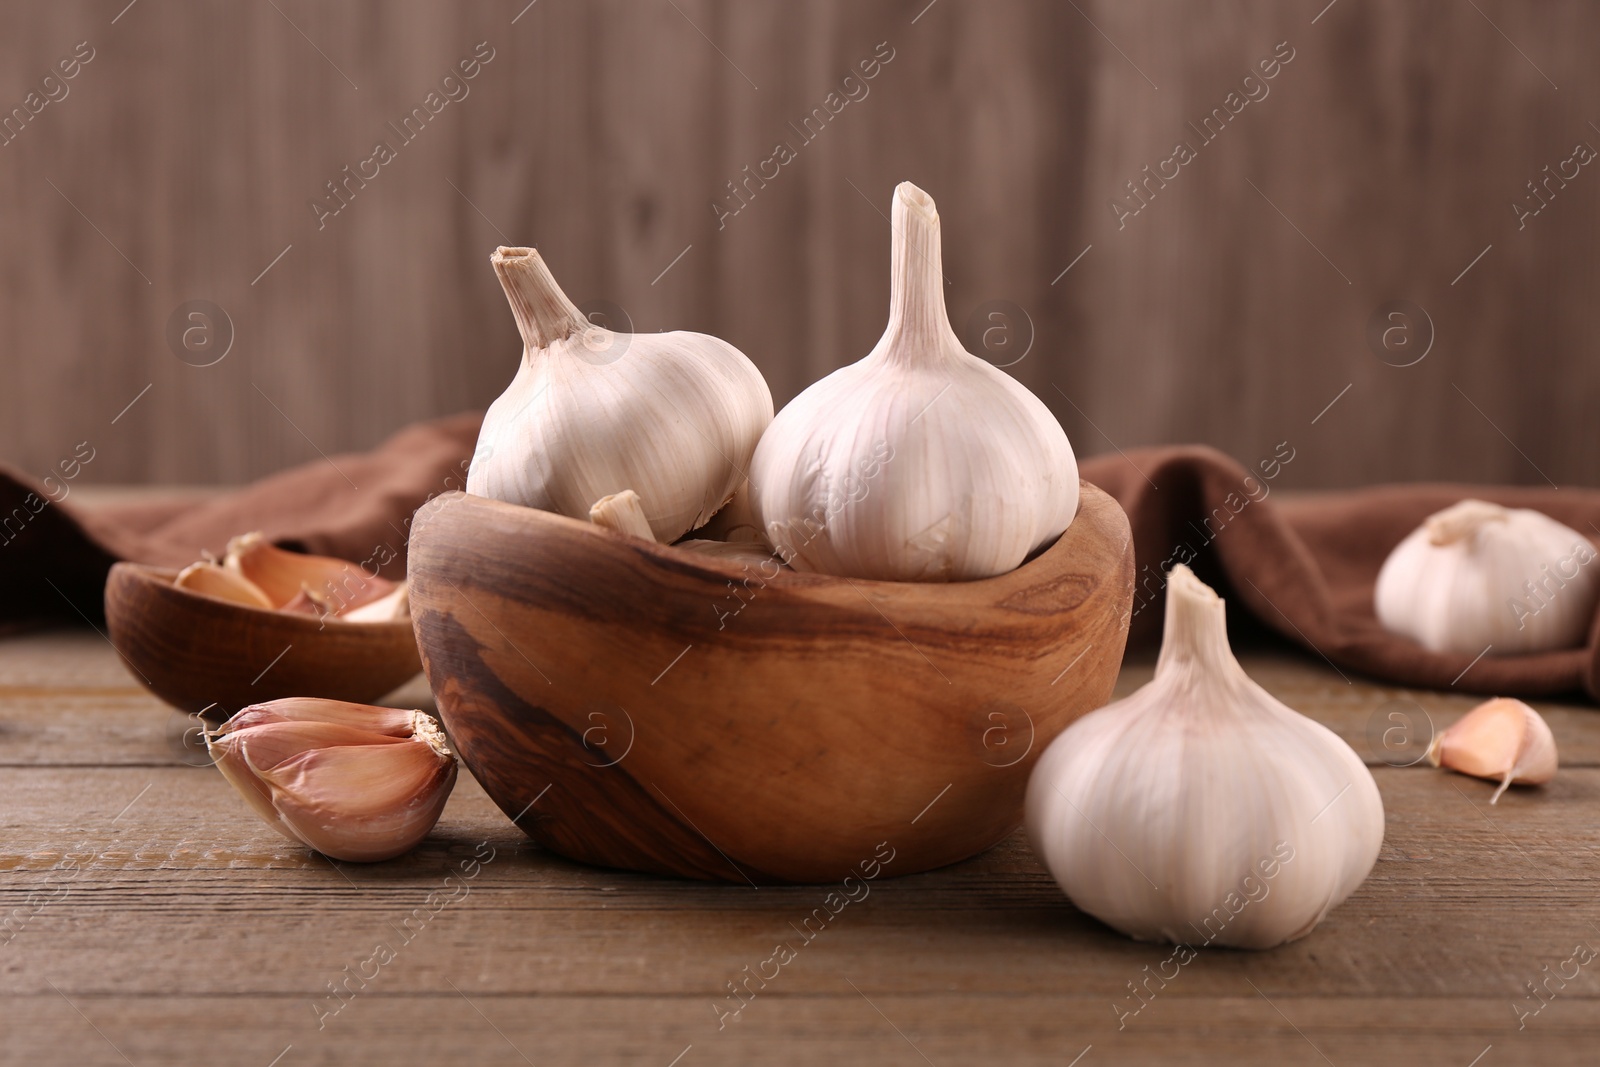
point(1477, 575)
point(674, 416)
point(354, 782)
point(920, 462)
point(1199, 810)
point(1500, 739)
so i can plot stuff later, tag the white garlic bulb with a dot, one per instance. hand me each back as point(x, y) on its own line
point(1199, 810)
point(1479, 576)
point(673, 416)
point(920, 462)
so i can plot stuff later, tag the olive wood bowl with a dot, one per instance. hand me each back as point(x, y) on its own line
point(641, 706)
point(199, 652)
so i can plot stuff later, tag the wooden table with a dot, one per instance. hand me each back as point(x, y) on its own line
point(154, 920)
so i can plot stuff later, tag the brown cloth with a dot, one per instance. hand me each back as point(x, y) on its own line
point(1305, 568)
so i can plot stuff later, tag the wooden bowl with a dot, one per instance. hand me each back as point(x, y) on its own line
point(641, 706)
point(197, 652)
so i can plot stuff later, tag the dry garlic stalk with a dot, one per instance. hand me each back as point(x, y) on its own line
point(920, 462)
point(352, 781)
point(1200, 810)
point(1499, 739)
point(622, 512)
point(1477, 575)
point(674, 416)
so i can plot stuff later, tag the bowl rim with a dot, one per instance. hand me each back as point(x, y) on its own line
point(151, 575)
point(714, 569)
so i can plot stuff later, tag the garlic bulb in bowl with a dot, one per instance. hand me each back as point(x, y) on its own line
point(673, 416)
point(920, 462)
point(1200, 810)
point(1477, 576)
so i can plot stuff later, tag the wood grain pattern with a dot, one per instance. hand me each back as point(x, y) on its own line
point(193, 933)
point(1394, 144)
point(700, 717)
point(199, 652)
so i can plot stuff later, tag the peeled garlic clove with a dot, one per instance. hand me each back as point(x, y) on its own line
point(1479, 576)
point(674, 416)
point(920, 462)
point(1199, 810)
point(212, 580)
point(354, 782)
point(622, 512)
point(295, 581)
point(1501, 739)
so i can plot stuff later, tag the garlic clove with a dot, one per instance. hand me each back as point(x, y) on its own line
point(361, 803)
point(305, 602)
point(394, 722)
point(919, 462)
point(1199, 809)
point(211, 580)
point(355, 782)
point(270, 744)
point(1501, 739)
point(396, 604)
point(673, 415)
point(622, 512)
point(296, 581)
point(1481, 579)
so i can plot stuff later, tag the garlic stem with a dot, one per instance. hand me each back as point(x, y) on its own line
point(622, 512)
point(543, 312)
point(916, 283)
point(1195, 634)
point(1461, 521)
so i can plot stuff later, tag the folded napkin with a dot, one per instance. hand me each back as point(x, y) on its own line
point(1305, 567)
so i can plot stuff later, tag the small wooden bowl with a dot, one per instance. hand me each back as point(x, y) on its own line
point(640, 706)
point(197, 652)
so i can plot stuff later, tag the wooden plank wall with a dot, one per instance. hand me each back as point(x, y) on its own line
point(1384, 157)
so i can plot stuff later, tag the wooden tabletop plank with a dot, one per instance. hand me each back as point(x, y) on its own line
point(142, 897)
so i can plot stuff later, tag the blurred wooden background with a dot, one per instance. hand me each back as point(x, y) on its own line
point(1233, 309)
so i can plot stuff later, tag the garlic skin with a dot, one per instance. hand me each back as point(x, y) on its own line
point(1199, 810)
point(1501, 739)
point(1477, 575)
point(674, 416)
point(354, 782)
point(747, 552)
point(920, 462)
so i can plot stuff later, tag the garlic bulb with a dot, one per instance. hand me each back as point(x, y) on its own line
point(1478, 576)
point(1501, 738)
point(920, 462)
point(1200, 810)
point(674, 416)
point(354, 782)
